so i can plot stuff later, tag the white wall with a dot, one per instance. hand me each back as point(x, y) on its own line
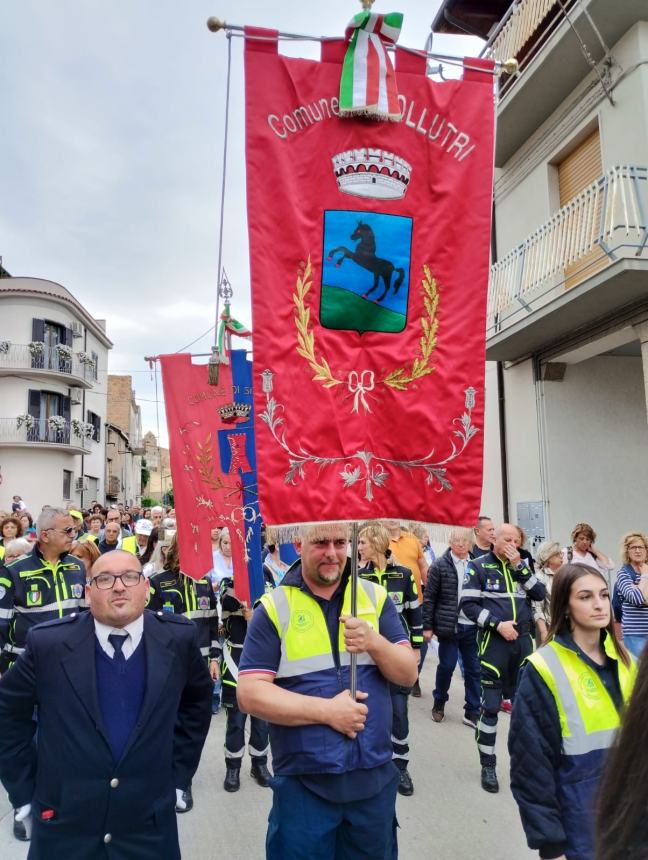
point(36, 474)
point(597, 443)
point(491, 504)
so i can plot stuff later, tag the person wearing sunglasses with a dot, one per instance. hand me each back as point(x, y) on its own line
point(123, 699)
point(45, 584)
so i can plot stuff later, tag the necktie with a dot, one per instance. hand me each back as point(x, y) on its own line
point(117, 641)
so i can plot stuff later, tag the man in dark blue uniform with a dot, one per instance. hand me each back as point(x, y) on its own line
point(123, 707)
point(496, 593)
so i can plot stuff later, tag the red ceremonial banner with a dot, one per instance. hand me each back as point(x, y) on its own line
point(205, 497)
point(369, 247)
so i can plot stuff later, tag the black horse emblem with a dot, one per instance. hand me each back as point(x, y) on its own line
point(365, 255)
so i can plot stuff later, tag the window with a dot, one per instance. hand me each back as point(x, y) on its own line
point(95, 420)
point(95, 369)
point(52, 335)
point(43, 405)
point(67, 484)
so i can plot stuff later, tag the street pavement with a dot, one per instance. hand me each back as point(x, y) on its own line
point(448, 817)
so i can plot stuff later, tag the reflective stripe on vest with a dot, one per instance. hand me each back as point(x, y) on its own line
point(300, 623)
point(588, 717)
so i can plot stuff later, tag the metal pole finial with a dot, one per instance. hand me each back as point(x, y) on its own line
point(215, 24)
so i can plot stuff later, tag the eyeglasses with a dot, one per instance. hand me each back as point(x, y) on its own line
point(106, 581)
point(70, 530)
point(637, 546)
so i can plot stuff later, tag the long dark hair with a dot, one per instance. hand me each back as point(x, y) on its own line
point(621, 826)
point(150, 545)
point(563, 581)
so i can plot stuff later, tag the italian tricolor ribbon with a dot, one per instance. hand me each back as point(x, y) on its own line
point(368, 82)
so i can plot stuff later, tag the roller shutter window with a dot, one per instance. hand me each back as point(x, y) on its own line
point(576, 172)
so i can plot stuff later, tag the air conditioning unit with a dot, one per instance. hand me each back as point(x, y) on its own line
point(77, 329)
point(76, 395)
point(81, 484)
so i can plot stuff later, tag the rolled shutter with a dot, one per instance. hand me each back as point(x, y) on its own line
point(579, 169)
point(65, 408)
point(67, 333)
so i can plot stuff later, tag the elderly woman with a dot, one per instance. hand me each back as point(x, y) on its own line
point(15, 548)
point(549, 559)
point(583, 551)
point(632, 587)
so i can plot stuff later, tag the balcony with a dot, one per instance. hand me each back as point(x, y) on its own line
point(546, 41)
point(587, 262)
point(36, 362)
point(23, 432)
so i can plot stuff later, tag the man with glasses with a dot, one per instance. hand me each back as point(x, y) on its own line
point(45, 584)
point(123, 699)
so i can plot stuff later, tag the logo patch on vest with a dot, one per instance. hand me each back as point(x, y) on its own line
point(34, 598)
point(587, 687)
point(203, 603)
point(397, 597)
point(77, 590)
point(302, 620)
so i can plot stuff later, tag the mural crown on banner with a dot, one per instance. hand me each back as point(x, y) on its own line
point(369, 172)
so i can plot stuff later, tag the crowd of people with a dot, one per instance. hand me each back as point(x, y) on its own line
point(550, 636)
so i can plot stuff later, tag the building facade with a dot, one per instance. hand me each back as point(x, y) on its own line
point(124, 446)
point(53, 368)
point(567, 330)
point(159, 468)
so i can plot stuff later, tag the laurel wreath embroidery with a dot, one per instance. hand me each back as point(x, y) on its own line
point(398, 378)
point(305, 336)
point(206, 467)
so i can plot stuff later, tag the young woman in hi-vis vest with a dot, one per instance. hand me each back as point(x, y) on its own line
point(567, 710)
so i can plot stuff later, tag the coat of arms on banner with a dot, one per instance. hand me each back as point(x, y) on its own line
point(365, 273)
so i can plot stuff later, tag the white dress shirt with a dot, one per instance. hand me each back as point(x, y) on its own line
point(134, 630)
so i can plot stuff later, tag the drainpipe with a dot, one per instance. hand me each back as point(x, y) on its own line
point(501, 403)
point(83, 413)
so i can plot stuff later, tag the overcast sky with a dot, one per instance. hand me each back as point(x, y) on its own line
point(111, 148)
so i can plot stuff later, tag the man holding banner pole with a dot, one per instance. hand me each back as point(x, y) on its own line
point(332, 754)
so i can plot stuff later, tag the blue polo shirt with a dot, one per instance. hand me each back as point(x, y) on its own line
point(262, 653)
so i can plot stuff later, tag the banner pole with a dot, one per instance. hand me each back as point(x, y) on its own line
point(508, 67)
point(353, 672)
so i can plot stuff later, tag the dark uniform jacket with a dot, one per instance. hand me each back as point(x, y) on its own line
point(440, 598)
point(399, 584)
point(535, 744)
point(495, 591)
point(178, 594)
point(235, 625)
point(102, 810)
point(32, 591)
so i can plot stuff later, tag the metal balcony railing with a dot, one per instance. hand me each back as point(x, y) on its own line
point(609, 216)
point(15, 431)
point(19, 356)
